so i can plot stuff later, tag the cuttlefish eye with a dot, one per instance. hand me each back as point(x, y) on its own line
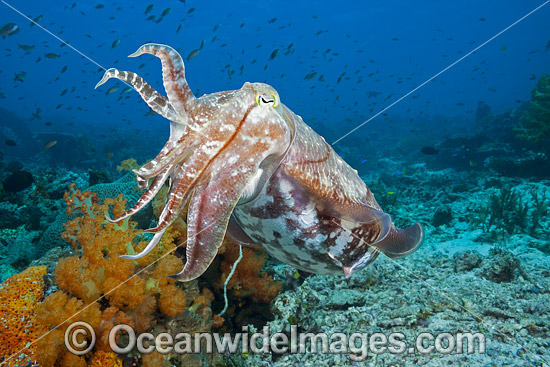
point(263, 100)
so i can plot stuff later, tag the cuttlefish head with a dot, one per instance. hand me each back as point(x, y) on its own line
point(222, 149)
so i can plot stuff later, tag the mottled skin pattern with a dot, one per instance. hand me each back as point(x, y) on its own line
point(248, 165)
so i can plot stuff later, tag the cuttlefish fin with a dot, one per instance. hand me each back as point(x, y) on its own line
point(237, 234)
point(400, 242)
point(393, 242)
point(378, 231)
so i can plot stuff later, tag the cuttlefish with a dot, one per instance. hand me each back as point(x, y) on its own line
point(248, 166)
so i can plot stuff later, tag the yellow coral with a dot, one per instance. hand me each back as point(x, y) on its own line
point(19, 296)
point(105, 359)
point(127, 165)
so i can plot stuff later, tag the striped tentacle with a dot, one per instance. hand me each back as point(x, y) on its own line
point(173, 75)
point(147, 196)
point(164, 159)
point(156, 101)
point(177, 199)
point(172, 209)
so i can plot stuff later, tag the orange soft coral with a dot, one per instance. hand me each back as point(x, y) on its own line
point(19, 296)
point(132, 291)
point(172, 300)
point(52, 317)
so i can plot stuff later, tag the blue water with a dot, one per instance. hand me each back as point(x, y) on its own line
point(385, 48)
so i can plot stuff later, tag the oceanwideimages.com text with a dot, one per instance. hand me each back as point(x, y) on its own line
point(80, 339)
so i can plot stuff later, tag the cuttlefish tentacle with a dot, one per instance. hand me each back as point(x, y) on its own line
point(166, 158)
point(146, 198)
point(173, 75)
point(156, 101)
point(176, 200)
point(168, 208)
point(150, 246)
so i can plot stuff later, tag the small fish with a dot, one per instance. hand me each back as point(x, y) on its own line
point(126, 90)
point(216, 27)
point(179, 27)
point(10, 143)
point(548, 46)
point(115, 43)
point(50, 144)
point(37, 19)
point(149, 8)
point(26, 48)
point(111, 90)
point(99, 6)
point(64, 92)
point(20, 77)
point(274, 54)
point(503, 48)
point(272, 20)
point(429, 150)
point(64, 69)
point(310, 76)
point(51, 55)
point(482, 19)
point(48, 123)
point(340, 77)
point(192, 54)
point(190, 10)
point(166, 11)
point(9, 29)
point(391, 192)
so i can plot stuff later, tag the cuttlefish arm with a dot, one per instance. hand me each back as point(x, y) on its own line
point(263, 137)
point(156, 101)
point(233, 142)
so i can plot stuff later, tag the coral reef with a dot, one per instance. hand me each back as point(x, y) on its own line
point(248, 280)
point(510, 211)
point(501, 266)
point(133, 292)
point(19, 297)
point(442, 215)
point(127, 165)
point(535, 123)
point(466, 260)
point(126, 186)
